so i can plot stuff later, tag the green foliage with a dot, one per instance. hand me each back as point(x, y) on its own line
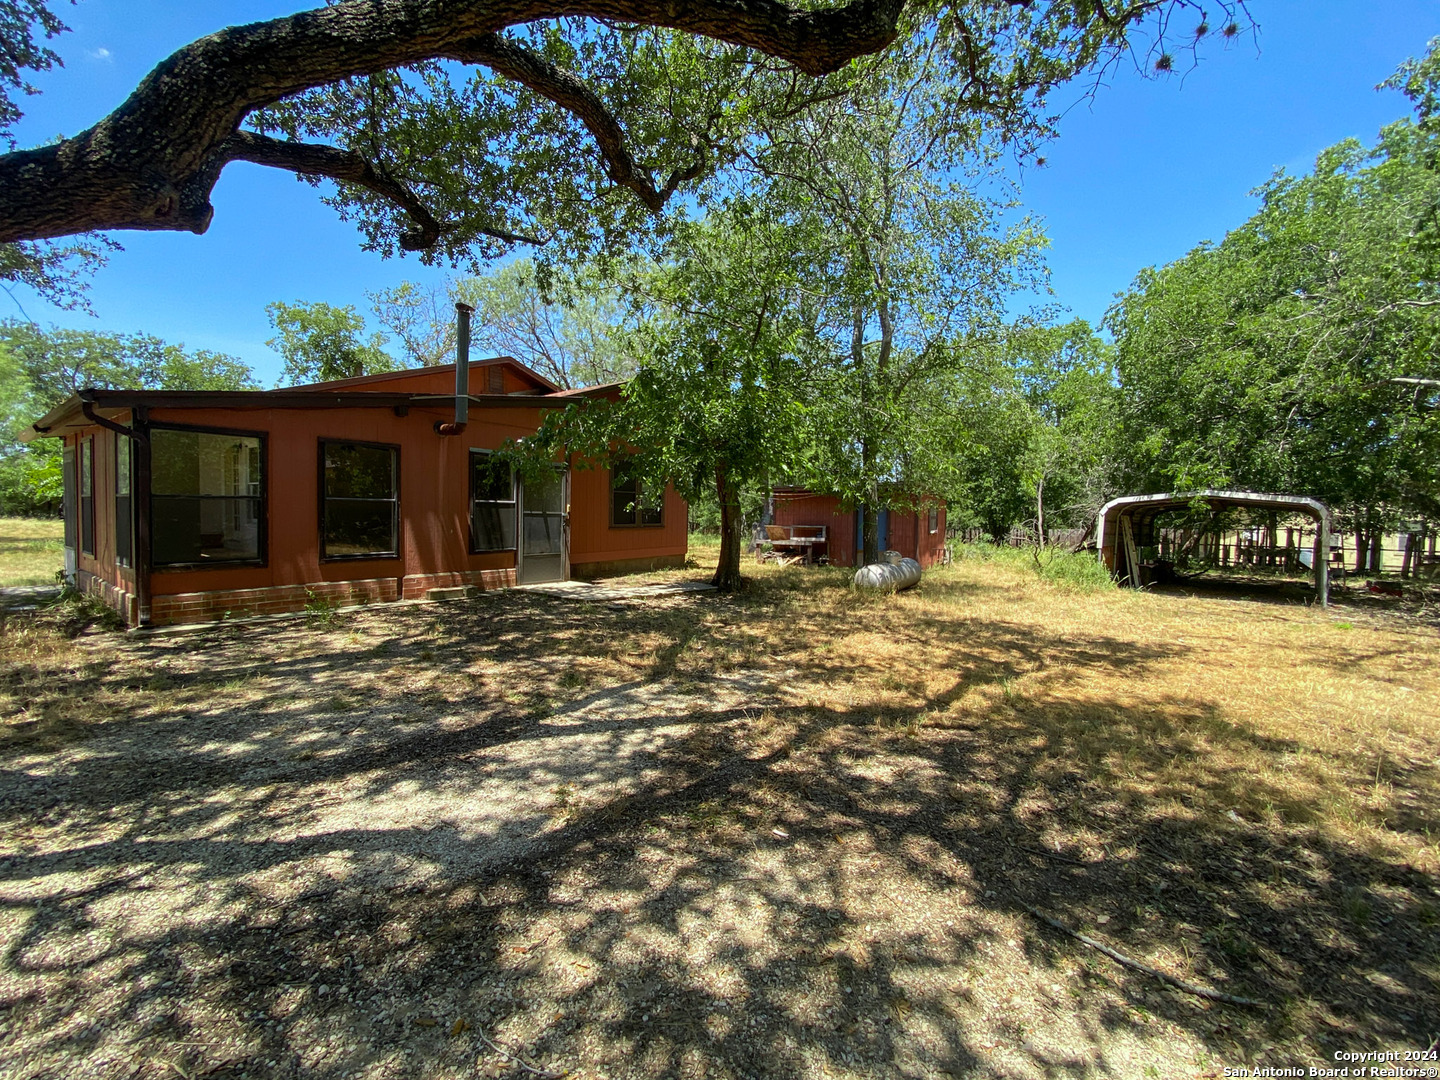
point(322, 611)
point(41, 368)
point(1034, 416)
point(500, 165)
point(1269, 361)
point(907, 260)
point(321, 343)
point(73, 612)
point(719, 406)
point(21, 50)
point(1079, 571)
point(57, 363)
point(570, 326)
point(57, 272)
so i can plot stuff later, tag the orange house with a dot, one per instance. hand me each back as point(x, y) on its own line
point(192, 506)
point(918, 534)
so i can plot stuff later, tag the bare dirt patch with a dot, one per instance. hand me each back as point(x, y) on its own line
point(794, 833)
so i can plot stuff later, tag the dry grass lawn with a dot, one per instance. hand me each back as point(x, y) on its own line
point(30, 550)
point(796, 833)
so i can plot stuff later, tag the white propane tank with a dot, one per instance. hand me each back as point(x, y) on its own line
point(889, 576)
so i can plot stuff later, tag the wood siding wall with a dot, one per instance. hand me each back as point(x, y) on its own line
point(908, 532)
point(434, 502)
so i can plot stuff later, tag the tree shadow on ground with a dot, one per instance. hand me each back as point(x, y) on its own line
point(744, 877)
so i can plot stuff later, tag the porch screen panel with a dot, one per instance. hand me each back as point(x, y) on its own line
point(68, 503)
point(361, 500)
point(492, 504)
point(87, 496)
point(124, 515)
point(206, 496)
point(544, 513)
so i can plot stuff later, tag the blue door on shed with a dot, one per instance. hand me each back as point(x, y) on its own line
point(860, 534)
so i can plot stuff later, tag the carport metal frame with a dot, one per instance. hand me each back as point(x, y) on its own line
point(1114, 511)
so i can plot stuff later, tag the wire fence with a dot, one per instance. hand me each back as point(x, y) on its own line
point(1410, 554)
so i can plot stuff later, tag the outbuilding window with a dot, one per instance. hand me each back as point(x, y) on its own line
point(124, 512)
point(492, 504)
point(87, 496)
point(207, 493)
point(359, 500)
point(934, 523)
point(632, 503)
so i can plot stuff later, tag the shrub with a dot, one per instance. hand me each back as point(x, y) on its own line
point(1072, 570)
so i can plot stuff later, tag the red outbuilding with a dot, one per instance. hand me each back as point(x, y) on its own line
point(193, 506)
point(918, 532)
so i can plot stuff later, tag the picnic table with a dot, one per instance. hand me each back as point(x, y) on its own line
point(806, 542)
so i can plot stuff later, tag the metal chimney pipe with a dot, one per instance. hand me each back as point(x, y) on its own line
point(462, 373)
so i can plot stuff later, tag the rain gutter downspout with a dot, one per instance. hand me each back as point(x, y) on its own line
point(462, 374)
point(87, 410)
point(139, 433)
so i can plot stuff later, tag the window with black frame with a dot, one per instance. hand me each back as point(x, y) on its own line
point(492, 504)
point(207, 491)
point(633, 503)
point(87, 496)
point(359, 500)
point(124, 514)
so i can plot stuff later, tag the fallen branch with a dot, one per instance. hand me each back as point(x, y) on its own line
point(511, 1055)
point(1121, 958)
point(1055, 855)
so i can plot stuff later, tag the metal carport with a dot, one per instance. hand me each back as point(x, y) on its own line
point(1128, 523)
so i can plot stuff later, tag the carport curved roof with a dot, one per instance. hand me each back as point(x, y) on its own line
point(1148, 507)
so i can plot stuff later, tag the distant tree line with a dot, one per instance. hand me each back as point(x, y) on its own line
point(1300, 353)
point(839, 315)
point(39, 369)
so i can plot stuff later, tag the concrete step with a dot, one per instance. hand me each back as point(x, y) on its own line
point(454, 592)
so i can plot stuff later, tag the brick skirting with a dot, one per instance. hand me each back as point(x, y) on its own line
point(417, 585)
point(198, 607)
point(117, 599)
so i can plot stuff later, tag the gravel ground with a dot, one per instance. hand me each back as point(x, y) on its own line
point(517, 836)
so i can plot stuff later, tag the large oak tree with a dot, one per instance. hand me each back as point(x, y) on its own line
point(460, 128)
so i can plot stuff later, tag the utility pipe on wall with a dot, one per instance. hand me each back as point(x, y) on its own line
point(462, 373)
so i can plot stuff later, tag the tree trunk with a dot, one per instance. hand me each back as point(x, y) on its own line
point(870, 508)
point(1040, 511)
point(727, 574)
point(151, 164)
point(870, 537)
point(1360, 549)
point(1377, 553)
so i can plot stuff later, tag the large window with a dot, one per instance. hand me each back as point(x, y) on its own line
point(87, 496)
point(632, 503)
point(359, 501)
point(124, 514)
point(206, 498)
point(492, 504)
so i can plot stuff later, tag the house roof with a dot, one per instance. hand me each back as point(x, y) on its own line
point(524, 370)
point(94, 406)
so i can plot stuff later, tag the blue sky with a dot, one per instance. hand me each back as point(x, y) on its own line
point(1139, 175)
